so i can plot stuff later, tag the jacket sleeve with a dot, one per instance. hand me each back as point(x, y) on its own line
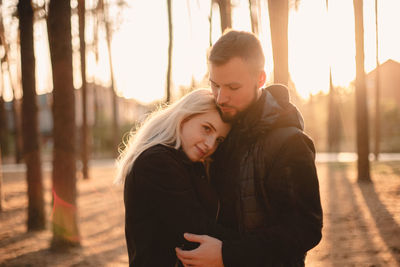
point(294, 203)
point(163, 180)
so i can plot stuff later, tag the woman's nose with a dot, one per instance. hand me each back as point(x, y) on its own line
point(210, 142)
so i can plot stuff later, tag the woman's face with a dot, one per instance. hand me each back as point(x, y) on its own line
point(201, 135)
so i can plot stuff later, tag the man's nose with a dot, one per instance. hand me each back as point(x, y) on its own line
point(222, 96)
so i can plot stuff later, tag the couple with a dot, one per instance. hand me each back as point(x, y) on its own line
point(254, 202)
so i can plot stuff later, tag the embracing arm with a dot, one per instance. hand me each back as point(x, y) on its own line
point(294, 202)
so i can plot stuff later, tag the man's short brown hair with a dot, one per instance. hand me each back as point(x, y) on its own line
point(242, 44)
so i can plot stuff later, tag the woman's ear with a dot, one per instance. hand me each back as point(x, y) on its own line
point(261, 79)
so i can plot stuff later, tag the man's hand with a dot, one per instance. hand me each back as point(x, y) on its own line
point(208, 254)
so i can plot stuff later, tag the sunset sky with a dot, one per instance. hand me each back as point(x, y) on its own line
point(317, 39)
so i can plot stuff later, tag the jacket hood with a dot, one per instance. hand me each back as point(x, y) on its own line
point(272, 110)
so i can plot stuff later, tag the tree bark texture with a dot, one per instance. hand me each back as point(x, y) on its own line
point(1, 184)
point(225, 12)
point(377, 127)
point(16, 114)
point(3, 123)
point(278, 17)
point(64, 215)
point(334, 129)
point(253, 8)
point(31, 137)
point(116, 136)
point(361, 99)
point(84, 128)
point(170, 43)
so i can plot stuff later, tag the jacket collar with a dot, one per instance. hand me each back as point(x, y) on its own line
point(186, 161)
point(272, 110)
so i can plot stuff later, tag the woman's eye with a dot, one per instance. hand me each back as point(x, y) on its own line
point(207, 129)
point(220, 140)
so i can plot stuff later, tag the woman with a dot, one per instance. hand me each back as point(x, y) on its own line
point(166, 189)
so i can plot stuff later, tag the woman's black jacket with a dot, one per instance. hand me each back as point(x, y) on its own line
point(165, 196)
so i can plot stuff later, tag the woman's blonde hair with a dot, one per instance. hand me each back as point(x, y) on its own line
point(163, 127)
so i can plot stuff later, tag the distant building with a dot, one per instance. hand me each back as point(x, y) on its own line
point(389, 83)
point(45, 114)
point(129, 110)
point(8, 106)
point(389, 88)
point(100, 98)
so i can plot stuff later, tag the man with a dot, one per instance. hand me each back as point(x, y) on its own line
point(264, 172)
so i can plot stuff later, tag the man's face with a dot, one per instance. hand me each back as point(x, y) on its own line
point(235, 87)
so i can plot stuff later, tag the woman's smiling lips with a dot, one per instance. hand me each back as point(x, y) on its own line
point(201, 151)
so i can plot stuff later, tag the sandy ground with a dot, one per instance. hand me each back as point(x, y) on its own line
point(361, 221)
point(101, 222)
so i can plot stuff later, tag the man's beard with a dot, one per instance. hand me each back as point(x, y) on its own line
point(232, 118)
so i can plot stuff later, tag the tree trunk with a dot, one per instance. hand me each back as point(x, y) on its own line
point(96, 104)
point(225, 12)
point(31, 138)
point(96, 53)
point(377, 91)
point(16, 115)
point(15, 105)
point(1, 184)
point(114, 95)
point(253, 16)
point(210, 21)
point(84, 127)
point(116, 137)
point(3, 121)
point(361, 100)
point(16, 118)
point(168, 79)
point(96, 35)
point(65, 216)
point(3, 117)
point(334, 124)
point(278, 17)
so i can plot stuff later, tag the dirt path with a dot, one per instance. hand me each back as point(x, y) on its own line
point(361, 222)
point(101, 221)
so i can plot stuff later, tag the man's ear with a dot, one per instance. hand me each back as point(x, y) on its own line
point(261, 79)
